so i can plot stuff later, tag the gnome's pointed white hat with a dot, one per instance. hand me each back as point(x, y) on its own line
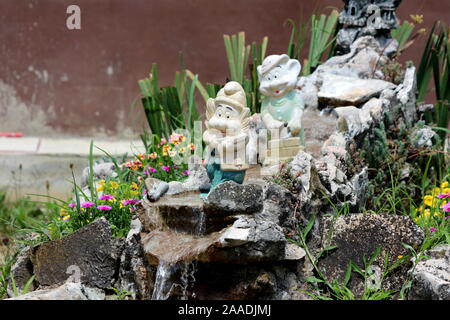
point(233, 95)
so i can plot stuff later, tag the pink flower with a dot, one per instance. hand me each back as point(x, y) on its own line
point(175, 166)
point(185, 172)
point(104, 207)
point(71, 205)
point(87, 204)
point(446, 218)
point(433, 230)
point(446, 207)
point(131, 201)
point(442, 196)
point(165, 168)
point(163, 141)
point(106, 197)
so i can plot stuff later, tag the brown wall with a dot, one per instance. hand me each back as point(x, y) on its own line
point(83, 82)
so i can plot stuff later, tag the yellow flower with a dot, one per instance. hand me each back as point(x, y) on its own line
point(114, 185)
point(134, 186)
point(63, 213)
point(436, 191)
point(182, 150)
point(101, 185)
point(182, 138)
point(112, 200)
point(426, 213)
point(164, 153)
point(153, 155)
point(66, 218)
point(417, 18)
point(444, 184)
point(428, 200)
point(446, 190)
point(191, 146)
point(422, 31)
point(166, 148)
point(400, 257)
point(134, 192)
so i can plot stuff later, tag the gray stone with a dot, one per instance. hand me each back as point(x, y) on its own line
point(101, 172)
point(134, 273)
point(22, 271)
point(91, 250)
point(67, 291)
point(431, 278)
point(278, 205)
point(359, 235)
point(231, 198)
point(423, 137)
point(344, 91)
point(155, 188)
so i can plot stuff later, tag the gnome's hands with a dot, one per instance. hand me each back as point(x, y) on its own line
point(271, 123)
point(295, 125)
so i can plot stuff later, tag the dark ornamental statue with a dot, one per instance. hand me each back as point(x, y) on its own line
point(366, 17)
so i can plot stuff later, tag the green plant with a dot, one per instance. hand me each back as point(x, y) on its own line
point(17, 291)
point(330, 289)
point(238, 56)
point(172, 107)
point(120, 295)
point(323, 31)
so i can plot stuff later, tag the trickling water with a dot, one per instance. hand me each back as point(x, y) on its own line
point(163, 281)
point(181, 274)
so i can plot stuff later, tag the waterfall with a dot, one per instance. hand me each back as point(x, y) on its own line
point(180, 276)
point(163, 281)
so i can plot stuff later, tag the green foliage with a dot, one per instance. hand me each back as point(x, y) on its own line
point(238, 56)
point(172, 107)
point(323, 30)
point(403, 33)
point(5, 270)
point(332, 289)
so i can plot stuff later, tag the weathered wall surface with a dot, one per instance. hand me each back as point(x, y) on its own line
point(83, 82)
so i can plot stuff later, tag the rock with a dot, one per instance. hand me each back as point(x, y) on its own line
point(431, 278)
point(22, 271)
point(197, 178)
point(231, 198)
point(345, 91)
point(134, 273)
point(278, 205)
point(101, 172)
point(67, 291)
point(90, 251)
point(308, 92)
point(155, 188)
point(374, 107)
point(294, 252)
point(423, 137)
point(406, 95)
point(182, 214)
point(359, 235)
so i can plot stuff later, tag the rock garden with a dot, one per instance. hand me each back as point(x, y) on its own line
point(317, 173)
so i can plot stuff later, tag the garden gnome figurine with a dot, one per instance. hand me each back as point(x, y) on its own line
point(226, 137)
point(282, 105)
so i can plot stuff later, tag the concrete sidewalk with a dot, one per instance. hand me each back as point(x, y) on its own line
point(34, 165)
point(69, 146)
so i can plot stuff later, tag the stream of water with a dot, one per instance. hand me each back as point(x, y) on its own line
point(179, 276)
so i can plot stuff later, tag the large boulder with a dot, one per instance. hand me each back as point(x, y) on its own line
point(231, 198)
point(360, 235)
point(431, 277)
point(90, 252)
